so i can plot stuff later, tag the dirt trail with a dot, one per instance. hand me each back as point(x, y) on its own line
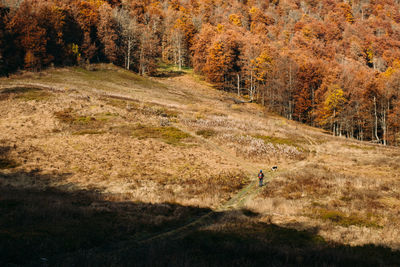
point(250, 168)
point(235, 202)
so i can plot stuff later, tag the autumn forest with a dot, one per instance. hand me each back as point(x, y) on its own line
point(331, 64)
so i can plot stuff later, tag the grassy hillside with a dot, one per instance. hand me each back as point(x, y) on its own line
point(103, 167)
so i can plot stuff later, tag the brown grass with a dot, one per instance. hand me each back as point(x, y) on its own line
point(170, 135)
point(345, 220)
point(104, 128)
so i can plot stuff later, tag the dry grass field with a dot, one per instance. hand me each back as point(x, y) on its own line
point(104, 167)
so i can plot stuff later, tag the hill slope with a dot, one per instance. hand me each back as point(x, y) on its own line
point(96, 164)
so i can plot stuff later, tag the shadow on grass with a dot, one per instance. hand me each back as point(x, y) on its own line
point(5, 161)
point(85, 228)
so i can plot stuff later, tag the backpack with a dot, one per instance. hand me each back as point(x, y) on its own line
point(260, 175)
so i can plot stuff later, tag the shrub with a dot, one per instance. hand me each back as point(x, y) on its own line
point(64, 115)
point(206, 133)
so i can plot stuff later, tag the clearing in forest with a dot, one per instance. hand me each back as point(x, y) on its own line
point(91, 160)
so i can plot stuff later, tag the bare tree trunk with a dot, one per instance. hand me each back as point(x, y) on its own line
point(384, 122)
point(179, 56)
point(290, 92)
point(238, 84)
point(128, 63)
point(141, 60)
point(334, 122)
point(251, 85)
point(312, 105)
point(384, 128)
point(263, 98)
point(175, 58)
point(376, 121)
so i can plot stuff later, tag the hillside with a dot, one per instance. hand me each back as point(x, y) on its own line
point(302, 59)
point(105, 167)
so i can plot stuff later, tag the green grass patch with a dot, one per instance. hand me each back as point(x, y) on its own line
point(165, 67)
point(169, 135)
point(340, 218)
point(106, 116)
point(7, 164)
point(83, 119)
point(69, 116)
point(206, 133)
point(83, 125)
point(28, 93)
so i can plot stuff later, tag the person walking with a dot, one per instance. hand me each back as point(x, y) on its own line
point(260, 178)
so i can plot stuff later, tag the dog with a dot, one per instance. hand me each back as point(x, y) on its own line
point(274, 168)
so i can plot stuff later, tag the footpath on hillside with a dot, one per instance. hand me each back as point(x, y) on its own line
point(236, 202)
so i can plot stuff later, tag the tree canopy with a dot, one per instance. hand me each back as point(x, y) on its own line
point(330, 63)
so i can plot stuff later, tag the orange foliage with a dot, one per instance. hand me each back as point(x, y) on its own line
point(284, 54)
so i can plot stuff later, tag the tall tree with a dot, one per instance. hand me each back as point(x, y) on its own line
point(107, 32)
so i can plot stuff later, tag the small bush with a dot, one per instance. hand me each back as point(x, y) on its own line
point(65, 115)
point(206, 133)
point(168, 113)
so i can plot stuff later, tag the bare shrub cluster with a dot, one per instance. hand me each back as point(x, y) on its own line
point(255, 147)
point(224, 122)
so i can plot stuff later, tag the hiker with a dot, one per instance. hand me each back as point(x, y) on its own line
point(260, 178)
